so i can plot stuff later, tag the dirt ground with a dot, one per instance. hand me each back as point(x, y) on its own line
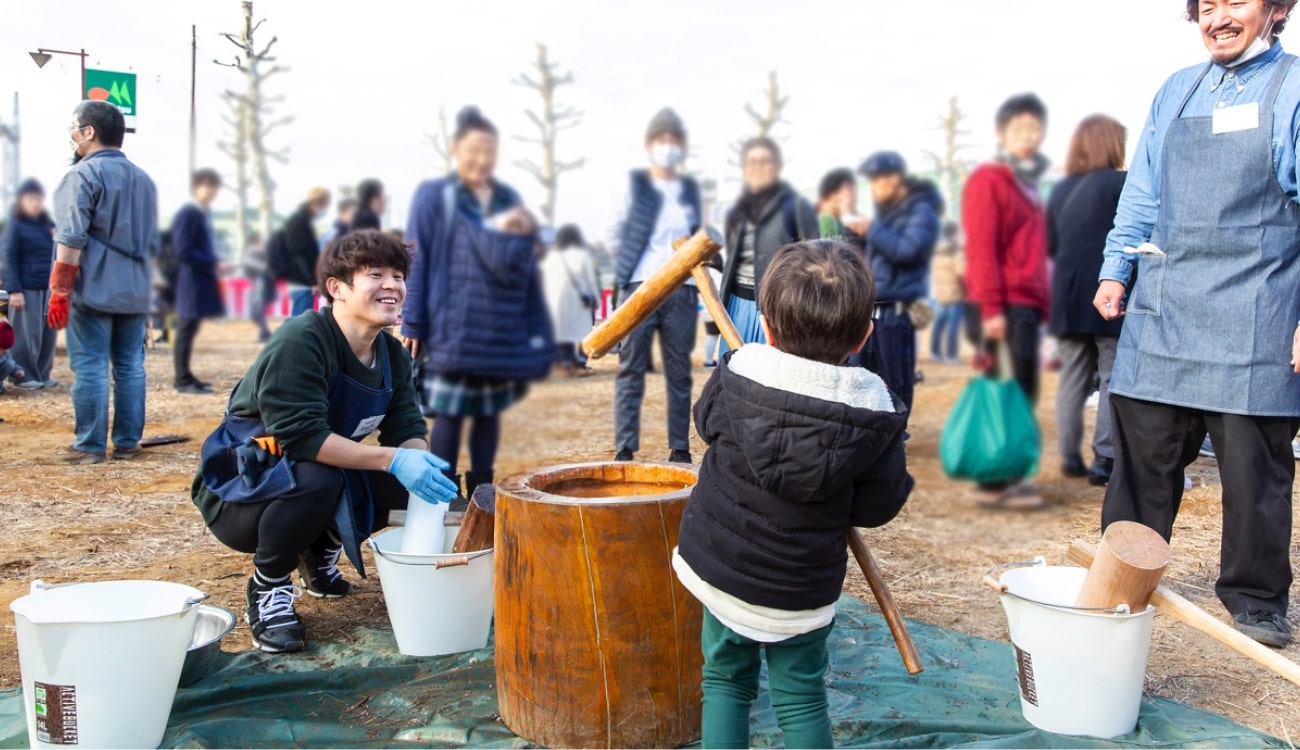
point(134, 520)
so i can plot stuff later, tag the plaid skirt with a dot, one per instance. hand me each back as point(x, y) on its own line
point(465, 395)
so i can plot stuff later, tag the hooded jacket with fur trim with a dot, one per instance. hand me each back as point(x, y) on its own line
point(799, 451)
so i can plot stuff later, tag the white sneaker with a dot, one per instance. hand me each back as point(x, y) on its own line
point(1187, 483)
point(1093, 401)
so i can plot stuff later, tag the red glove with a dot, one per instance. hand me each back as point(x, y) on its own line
point(62, 277)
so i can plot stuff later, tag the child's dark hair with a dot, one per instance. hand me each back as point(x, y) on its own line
point(365, 248)
point(818, 297)
point(834, 181)
point(1021, 104)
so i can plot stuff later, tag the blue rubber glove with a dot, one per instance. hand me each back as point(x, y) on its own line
point(421, 473)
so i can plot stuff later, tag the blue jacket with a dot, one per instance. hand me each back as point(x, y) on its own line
point(474, 295)
point(198, 295)
point(646, 203)
point(901, 243)
point(27, 249)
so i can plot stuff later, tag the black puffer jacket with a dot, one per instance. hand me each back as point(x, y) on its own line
point(785, 475)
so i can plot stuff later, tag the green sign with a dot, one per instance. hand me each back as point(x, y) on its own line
point(115, 88)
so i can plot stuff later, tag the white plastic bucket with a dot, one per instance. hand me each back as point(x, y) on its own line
point(1080, 671)
point(435, 610)
point(100, 661)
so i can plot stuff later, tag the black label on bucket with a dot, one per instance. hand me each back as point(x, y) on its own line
point(56, 714)
point(1025, 673)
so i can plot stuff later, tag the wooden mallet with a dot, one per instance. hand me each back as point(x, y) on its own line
point(689, 261)
point(1169, 603)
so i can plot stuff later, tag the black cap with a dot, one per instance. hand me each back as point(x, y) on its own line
point(883, 162)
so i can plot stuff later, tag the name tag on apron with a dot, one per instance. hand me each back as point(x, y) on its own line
point(1233, 119)
point(367, 426)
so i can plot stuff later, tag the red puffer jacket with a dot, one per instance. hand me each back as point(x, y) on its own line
point(1006, 243)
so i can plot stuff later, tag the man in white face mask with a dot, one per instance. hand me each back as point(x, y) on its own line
point(1204, 265)
point(659, 206)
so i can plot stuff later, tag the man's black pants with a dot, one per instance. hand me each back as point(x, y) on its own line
point(1024, 340)
point(277, 531)
point(1154, 443)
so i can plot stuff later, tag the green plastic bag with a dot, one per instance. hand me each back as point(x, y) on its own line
point(991, 435)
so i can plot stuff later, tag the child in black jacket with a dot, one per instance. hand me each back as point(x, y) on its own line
point(800, 449)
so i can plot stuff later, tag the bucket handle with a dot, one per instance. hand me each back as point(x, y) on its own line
point(455, 561)
point(997, 585)
point(191, 602)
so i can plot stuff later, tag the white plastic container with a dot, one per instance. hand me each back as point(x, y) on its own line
point(435, 610)
point(100, 661)
point(425, 526)
point(1080, 671)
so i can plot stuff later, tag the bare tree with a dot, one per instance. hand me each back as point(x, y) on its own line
point(251, 122)
point(772, 114)
point(550, 120)
point(441, 140)
point(947, 163)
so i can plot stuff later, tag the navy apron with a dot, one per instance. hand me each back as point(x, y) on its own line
point(355, 411)
point(1209, 323)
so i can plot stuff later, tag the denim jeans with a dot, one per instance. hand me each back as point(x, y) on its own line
point(301, 301)
point(945, 336)
point(796, 675)
point(98, 343)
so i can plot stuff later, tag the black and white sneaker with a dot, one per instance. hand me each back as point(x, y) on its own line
point(319, 568)
point(271, 616)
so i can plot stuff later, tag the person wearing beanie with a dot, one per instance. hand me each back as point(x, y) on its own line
point(371, 203)
point(659, 205)
point(26, 247)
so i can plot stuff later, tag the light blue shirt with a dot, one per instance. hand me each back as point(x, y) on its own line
point(1139, 203)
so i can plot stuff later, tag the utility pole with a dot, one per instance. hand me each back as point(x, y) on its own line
point(194, 67)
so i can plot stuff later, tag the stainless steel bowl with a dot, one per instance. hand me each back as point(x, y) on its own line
point(213, 624)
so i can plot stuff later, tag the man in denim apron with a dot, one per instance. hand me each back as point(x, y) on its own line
point(1204, 265)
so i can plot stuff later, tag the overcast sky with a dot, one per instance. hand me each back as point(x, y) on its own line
point(368, 78)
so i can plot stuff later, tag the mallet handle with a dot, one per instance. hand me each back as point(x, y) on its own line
point(897, 627)
point(650, 295)
point(709, 295)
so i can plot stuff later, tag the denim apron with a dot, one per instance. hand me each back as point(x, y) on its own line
point(1209, 323)
point(355, 411)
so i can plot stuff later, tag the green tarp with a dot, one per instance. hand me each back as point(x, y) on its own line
point(361, 693)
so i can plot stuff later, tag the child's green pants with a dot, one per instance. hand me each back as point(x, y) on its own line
point(796, 670)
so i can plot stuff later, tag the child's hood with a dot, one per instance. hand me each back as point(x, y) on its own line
point(804, 427)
